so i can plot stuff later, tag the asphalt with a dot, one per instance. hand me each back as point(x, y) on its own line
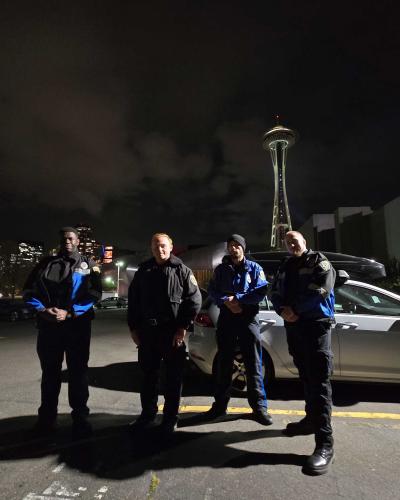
point(231, 458)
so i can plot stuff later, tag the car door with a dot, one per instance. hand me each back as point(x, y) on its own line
point(368, 329)
point(274, 339)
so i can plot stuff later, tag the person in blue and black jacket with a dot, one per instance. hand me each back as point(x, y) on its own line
point(237, 287)
point(63, 290)
point(302, 293)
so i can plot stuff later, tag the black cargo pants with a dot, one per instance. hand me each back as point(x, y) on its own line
point(309, 344)
point(156, 346)
point(72, 338)
point(233, 331)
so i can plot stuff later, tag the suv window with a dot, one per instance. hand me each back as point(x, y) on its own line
point(354, 299)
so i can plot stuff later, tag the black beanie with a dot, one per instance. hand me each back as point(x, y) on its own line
point(239, 239)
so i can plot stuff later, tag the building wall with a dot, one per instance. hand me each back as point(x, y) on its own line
point(319, 232)
point(340, 214)
point(356, 235)
point(379, 236)
point(392, 228)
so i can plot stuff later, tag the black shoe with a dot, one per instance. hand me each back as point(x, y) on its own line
point(318, 463)
point(81, 428)
point(262, 416)
point(214, 412)
point(167, 428)
point(302, 428)
point(142, 422)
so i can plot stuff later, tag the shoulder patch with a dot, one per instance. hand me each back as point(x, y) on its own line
point(96, 269)
point(193, 279)
point(325, 265)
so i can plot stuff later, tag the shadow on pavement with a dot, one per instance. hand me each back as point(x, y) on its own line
point(115, 452)
point(344, 393)
point(127, 377)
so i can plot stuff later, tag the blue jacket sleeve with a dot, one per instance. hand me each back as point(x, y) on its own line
point(256, 290)
point(319, 288)
point(92, 291)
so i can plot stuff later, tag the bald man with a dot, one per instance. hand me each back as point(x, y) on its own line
point(302, 293)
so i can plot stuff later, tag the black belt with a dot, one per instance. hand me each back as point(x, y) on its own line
point(156, 321)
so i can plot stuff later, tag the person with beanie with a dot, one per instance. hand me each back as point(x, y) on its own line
point(237, 287)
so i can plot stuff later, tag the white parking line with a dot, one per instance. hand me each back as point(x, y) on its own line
point(59, 468)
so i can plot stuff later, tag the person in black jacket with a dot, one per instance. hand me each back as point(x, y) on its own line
point(63, 290)
point(163, 300)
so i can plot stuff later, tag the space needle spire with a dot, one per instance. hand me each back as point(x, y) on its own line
point(277, 140)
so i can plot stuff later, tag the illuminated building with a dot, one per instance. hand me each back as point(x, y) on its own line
point(107, 254)
point(30, 251)
point(277, 140)
point(87, 244)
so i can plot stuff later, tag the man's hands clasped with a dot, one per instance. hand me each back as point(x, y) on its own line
point(54, 314)
point(177, 340)
point(233, 305)
point(288, 314)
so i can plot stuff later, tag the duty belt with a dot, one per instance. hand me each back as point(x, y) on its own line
point(156, 321)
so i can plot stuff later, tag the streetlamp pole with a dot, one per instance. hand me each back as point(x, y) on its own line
point(118, 264)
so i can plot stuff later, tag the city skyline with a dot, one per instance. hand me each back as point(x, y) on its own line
point(144, 118)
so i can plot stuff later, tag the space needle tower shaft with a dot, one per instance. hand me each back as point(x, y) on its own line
point(277, 141)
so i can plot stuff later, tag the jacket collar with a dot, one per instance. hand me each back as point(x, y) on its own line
point(173, 261)
point(73, 257)
point(227, 259)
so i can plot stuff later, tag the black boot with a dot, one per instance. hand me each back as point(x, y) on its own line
point(144, 421)
point(214, 412)
point(262, 416)
point(167, 427)
point(301, 428)
point(318, 463)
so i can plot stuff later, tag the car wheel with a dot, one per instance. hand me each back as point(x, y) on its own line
point(239, 379)
point(13, 316)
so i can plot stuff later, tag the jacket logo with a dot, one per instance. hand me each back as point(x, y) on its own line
point(82, 271)
point(84, 265)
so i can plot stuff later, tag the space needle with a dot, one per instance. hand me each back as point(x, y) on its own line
point(277, 141)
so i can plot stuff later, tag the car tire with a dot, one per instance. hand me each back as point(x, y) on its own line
point(239, 380)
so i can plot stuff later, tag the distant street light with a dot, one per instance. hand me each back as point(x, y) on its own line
point(119, 264)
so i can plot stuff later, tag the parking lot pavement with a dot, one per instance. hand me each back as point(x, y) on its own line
point(232, 458)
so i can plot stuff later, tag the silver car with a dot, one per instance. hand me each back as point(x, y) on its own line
point(365, 339)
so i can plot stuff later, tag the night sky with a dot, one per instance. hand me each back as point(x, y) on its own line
point(148, 116)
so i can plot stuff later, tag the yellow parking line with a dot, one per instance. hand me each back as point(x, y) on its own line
point(345, 414)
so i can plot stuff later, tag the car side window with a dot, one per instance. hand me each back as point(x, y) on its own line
point(352, 299)
point(266, 305)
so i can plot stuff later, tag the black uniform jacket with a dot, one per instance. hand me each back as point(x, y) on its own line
point(178, 294)
point(81, 286)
